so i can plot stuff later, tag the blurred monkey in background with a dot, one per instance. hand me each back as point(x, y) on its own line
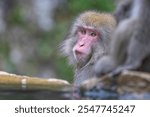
point(130, 47)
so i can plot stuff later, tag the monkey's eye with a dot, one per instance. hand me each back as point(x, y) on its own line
point(93, 34)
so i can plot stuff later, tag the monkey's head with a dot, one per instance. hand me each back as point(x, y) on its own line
point(89, 37)
point(123, 10)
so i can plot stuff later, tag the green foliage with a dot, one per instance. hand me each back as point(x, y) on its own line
point(49, 41)
point(82, 5)
point(64, 70)
point(15, 17)
point(49, 48)
point(4, 48)
point(4, 54)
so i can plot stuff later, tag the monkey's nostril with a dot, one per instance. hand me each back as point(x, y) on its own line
point(81, 45)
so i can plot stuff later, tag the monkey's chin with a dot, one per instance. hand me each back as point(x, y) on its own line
point(83, 60)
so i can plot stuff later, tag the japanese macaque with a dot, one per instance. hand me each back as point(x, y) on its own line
point(123, 10)
point(88, 40)
point(130, 47)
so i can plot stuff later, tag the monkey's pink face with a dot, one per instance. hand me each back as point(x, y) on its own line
point(85, 40)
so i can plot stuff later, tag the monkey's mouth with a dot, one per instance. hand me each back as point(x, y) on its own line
point(82, 58)
point(80, 55)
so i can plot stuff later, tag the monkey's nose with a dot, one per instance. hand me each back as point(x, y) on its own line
point(81, 43)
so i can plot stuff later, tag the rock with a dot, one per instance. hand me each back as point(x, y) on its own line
point(128, 85)
point(13, 81)
point(14, 86)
